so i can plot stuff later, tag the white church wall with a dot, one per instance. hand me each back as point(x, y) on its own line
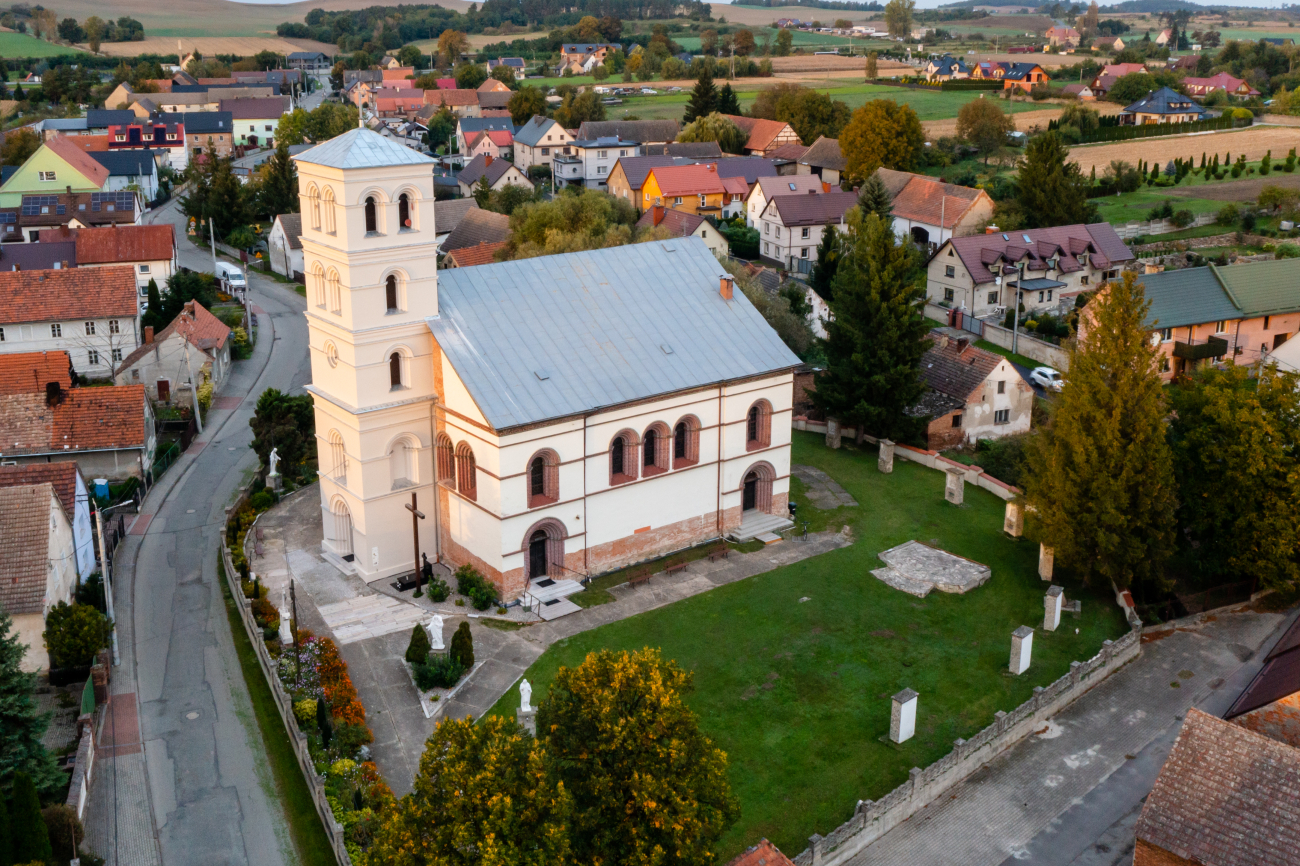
point(455, 396)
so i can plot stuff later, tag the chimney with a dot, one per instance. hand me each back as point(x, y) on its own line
point(713, 167)
point(991, 230)
point(725, 286)
point(941, 342)
point(487, 160)
point(53, 394)
point(69, 188)
point(826, 187)
point(148, 335)
point(658, 215)
point(962, 343)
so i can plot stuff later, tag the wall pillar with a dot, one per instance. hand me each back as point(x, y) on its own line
point(902, 716)
point(886, 461)
point(1052, 608)
point(832, 432)
point(954, 489)
point(1046, 561)
point(1022, 647)
point(1013, 523)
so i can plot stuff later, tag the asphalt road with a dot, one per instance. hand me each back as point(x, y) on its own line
point(212, 797)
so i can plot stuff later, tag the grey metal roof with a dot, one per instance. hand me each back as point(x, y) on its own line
point(103, 118)
point(531, 132)
point(361, 148)
point(1041, 284)
point(1188, 296)
point(557, 336)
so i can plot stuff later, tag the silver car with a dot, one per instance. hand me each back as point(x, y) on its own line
point(1047, 378)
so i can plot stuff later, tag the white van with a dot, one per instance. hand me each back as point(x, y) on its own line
point(231, 278)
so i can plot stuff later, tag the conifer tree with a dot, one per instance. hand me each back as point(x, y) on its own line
point(21, 725)
point(1101, 472)
point(279, 190)
point(154, 315)
point(874, 198)
point(31, 838)
point(728, 101)
point(828, 255)
point(877, 333)
point(462, 646)
point(1052, 191)
point(704, 98)
point(417, 651)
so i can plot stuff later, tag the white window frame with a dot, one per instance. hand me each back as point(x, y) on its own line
point(56, 330)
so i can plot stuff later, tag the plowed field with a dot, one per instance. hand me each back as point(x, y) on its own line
point(1254, 142)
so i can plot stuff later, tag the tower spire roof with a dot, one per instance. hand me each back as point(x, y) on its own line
point(362, 148)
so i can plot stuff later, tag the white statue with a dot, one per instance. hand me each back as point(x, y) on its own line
point(273, 460)
point(525, 695)
point(435, 632)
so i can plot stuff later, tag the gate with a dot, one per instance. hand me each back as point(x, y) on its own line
point(967, 322)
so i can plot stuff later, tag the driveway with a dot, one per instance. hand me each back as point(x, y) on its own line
point(184, 779)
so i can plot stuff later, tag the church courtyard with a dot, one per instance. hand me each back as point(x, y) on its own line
point(794, 668)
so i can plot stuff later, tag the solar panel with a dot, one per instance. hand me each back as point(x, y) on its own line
point(8, 217)
point(120, 200)
point(32, 204)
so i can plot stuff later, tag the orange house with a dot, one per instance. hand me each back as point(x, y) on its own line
point(693, 189)
point(1024, 76)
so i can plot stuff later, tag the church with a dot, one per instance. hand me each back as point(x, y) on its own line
point(555, 417)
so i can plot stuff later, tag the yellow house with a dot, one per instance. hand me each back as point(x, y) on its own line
point(695, 189)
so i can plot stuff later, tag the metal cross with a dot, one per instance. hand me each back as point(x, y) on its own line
point(416, 516)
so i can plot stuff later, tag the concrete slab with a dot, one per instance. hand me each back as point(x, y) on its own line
point(820, 489)
point(914, 563)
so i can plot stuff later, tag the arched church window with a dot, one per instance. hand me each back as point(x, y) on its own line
point(395, 370)
point(372, 217)
point(543, 478)
point(686, 442)
point(403, 212)
point(446, 461)
point(758, 426)
point(390, 293)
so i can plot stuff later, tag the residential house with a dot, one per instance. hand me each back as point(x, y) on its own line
point(447, 214)
point(514, 64)
point(684, 225)
point(1240, 312)
point(397, 73)
point(1108, 43)
point(477, 227)
point(493, 86)
point(92, 314)
point(98, 120)
point(39, 213)
point(70, 486)
point(467, 257)
point(590, 161)
point(254, 120)
point(309, 61)
point(695, 189)
point(1270, 704)
point(1062, 36)
point(1082, 92)
point(627, 177)
point(767, 187)
point(204, 129)
point(945, 68)
point(1110, 73)
point(1202, 87)
point(38, 568)
point(494, 103)
point(823, 159)
point(46, 256)
point(978, 273)
point(1162, 106)
point(971, 394)
point(352, 76)
point(402, 103)
point(388, 61)
point(192, 349)
point(786, 158)
point(497, 143)
point(764, 135)
point(929, 212)
point(284, 245)
point(500, 173)
point(149, 250)
point(1025, 76)
point(462, 103)
point(791, 226)
point(582, 57)
point(205, 99)
point(58, 165)
point(688, 149)
point(647, 133)
point(157, 134)
point(135, 170)
point(1163, 38)
point(538, 141)
point(989, 70)
point(1224, 797)
point(467, 126)
point(1186, 63)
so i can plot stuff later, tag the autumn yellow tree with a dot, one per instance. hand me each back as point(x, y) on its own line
point(881, 133)
point(871, 68)
point(451, 45)
point(898, 17)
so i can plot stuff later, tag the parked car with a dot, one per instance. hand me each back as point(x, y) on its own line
point(231, 278)
point(1047, 378)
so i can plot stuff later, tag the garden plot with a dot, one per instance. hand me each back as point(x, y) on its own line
point(1254, 141)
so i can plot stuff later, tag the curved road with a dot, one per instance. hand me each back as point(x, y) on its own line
point(192, 786)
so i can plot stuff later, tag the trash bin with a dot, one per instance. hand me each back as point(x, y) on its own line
point(101, 488)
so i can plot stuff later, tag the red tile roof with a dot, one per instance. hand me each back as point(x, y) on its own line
point(24, 547)
point(29, 372)
point(119, 244)
point(85, 165)
point(68, 294)
point(482, 254)
point(62, 474)
point(451, 97)
point(195, 324)
point(1225, 797)
point(762, 854)
point(85, 419)
point(926, 200)
point(679, 222)
point(761, 132)
point(679, 180)
point(399, 73)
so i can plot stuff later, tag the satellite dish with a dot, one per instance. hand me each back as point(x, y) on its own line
point(997, 281)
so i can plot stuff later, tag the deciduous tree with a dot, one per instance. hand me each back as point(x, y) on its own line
point(717, 128)
point(506, 75)
point(94, 27)
point(451, 45)
point(74, 633)
point(877, 333)
point(881, 133)
point(872, 70)
point(286, 423)
point(526, 102)
point(984, 125)
point(784, 41)
point(898, 17)
point(1052, 191)
point(809, 112)
point(469, 75)
point(1236, 447)
point(1101, 474)
point(744, 42)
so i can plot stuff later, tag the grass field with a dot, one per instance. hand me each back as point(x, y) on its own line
point(797, 694)
point(23, 45)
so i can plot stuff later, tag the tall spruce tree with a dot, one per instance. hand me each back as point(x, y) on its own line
point(21, 725)
point(1101, 473)
point(874, 198)
point(31, 838)
point(728, 101)
point(1053, 192)
point(704, 98)
point(226, 202)
point(279, 190)
point(828, 258)
point(877, 333)
point(154, 315)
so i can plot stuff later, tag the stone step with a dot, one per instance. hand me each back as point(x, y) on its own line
point(556, 608)
point(369, 616)
point(555, 589)
point(768, 537)
point(756, 523)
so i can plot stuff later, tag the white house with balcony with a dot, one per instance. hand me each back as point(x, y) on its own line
point(591, 161)
point(547, 430)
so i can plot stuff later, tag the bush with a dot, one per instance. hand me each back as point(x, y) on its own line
point(1248, 222)
point(1287, 251)
point(74, 633)
point(437, 590)
point(265, 614)
point(462, 646)
point(470, 583)
point(262, 501)
point(304, 711)
point(439, 672)
point(1183, 218)
point(65, 831)
point(1227, 215)
point(1003, 458)
point(349, 738)
point(1162, 211)
point(417, 651)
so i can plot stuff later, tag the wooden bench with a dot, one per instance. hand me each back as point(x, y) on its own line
point(639, 577)
point(259, 534)
point(720, 553)
point(673, 569)
point(257, 549)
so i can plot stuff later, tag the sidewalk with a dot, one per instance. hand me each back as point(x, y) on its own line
point(994, 815)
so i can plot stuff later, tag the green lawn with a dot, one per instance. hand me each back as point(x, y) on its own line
point(1130, 207)
point(22, 45)
point(798, 693)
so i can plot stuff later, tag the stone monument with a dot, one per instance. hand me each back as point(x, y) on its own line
point(1046, 556)
point(1022, 647)
point(902, 716)
point(1013, 523)
point(286, 618)
point(273, 479)
point(832, 432)
point(886, 462)
point(435, 633)
point(955, 488)
point(526, 715)
point(1052, 608)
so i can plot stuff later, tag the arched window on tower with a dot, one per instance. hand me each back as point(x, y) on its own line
point(327, 208)
point(313, 206)
point(403, 212)
point(390, 293)
point(372, 217)
point(395, 370)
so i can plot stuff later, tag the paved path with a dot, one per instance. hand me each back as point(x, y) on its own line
point(191, 787)
point(1019, 808)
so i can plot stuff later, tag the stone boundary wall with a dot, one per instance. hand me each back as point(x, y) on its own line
point(1161, 227)
point(871, 820)
point(83, 765)
point(283, 702)
point(932, 459)
point(1224, 240)
point(1031, 347)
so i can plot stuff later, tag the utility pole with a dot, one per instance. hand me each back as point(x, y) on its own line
point(194, 388)
point(416, 516)
point(1015, 330)
point(212, 240)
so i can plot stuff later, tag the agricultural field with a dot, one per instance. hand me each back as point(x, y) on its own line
point(1028, 115)
point(1254, 141)
point(211, 45)
point(21, 45)
point(1194, 194)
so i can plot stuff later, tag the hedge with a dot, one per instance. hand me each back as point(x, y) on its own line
point(1151, 130)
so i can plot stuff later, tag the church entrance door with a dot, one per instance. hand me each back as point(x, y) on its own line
point(749, 500)
point(537, 555)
